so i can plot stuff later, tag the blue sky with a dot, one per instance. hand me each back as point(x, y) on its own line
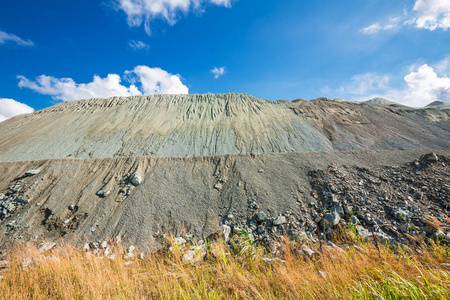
point(50, 51)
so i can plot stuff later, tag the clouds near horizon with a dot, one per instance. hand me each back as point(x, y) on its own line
point(423, 85)
point(10, 108)
point(426, 14)
point(142, 79)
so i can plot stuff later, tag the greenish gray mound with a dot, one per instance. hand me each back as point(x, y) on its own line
point(203, 125)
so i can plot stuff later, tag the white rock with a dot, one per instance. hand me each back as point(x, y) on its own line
point(308, 251)
point(32, 172)
point(135, 179)
point(44, 247)
point(226, 230)
point(179, 241)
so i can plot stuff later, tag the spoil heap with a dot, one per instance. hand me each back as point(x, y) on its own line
point(142, 167)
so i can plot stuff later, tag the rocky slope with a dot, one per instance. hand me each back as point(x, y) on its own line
point(142, 198)
point(195, 125)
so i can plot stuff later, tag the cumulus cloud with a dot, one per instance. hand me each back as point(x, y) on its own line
point(218, 72)
point(426, 14)
point(12, 38)
point(10, 108)
point(421, 86)
point(432, 14)
point(149, 80)
point(157, 81)
point(144, 11)
point(138, 45)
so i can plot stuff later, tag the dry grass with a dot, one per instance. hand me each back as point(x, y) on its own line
point(357, 273)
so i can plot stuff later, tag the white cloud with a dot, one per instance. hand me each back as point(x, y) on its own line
point(10, 108)
point(138, 45)
point(144, 11)
point(432, 14)
point(359, 86)
point(12, 38)
point(157, 81)
point(218, 72)
point(151, 81)
point(422, 86)
point(426, 14)
point(393, 23)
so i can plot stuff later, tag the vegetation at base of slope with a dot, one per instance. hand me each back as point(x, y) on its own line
point(353, 270)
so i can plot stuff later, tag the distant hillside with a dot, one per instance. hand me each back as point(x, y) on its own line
point(438, 105)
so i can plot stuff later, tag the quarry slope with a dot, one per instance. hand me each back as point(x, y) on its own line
point(182, 196)
point(200, 125)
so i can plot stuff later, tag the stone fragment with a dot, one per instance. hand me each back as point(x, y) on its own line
point(195, 254)
point(218, 186)
point(332, 218)
point(273, 259)
point(226, 230)
point(280, 220)
point(401, 214)
point(261, 217)
point(431, 157)
point(308, 251)
point(44, 247)
point(32, 172)
point(135, 179)
point(103, 193)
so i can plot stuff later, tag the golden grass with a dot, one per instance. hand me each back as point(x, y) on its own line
point(360, 272)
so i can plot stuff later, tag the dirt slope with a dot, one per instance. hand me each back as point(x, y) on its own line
point(180, 195)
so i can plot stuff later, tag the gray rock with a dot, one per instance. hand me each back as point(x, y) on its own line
point(280, 220)
point(103, 193)
point(261, 217)
point(334, 199)
point(135, 179)
point(333, 218)
point(340, 211)
point(431, 157)
point(439, 234)
point(401, 214)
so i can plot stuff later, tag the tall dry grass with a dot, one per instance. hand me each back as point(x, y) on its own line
point(361, 272)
